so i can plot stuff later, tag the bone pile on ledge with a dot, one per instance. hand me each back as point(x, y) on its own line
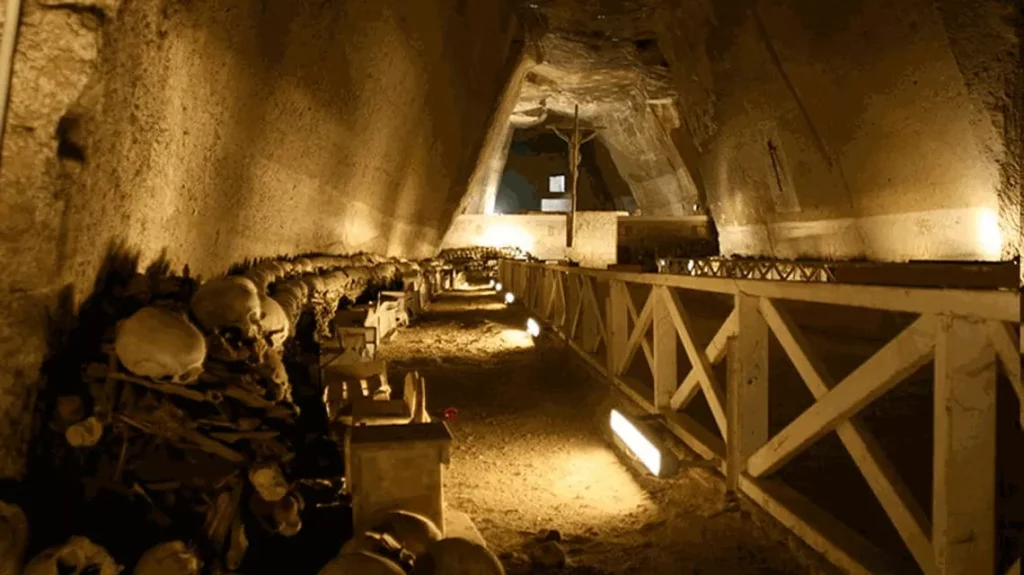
point(188, 407)
point(480, 259)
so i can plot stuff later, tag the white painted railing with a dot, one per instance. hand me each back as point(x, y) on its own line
point(970, 335)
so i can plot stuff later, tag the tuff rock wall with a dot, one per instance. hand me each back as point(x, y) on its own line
point(221, 130)
point(861, 129)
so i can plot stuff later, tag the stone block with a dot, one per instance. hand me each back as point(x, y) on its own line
point(396, 467)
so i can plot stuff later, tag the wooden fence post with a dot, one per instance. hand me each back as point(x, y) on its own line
point(964, 482)
point(666, 377)
point(618, 326)
point(747, 388)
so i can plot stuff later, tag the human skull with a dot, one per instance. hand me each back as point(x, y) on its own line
point(336, 281)
point(292, 307)
point(386, 271)
point(361, 274)
point(85, 433)
point(272, 267)
point(13, 538)
point(169, 558)
point(413, 532)
point(314, 284)
point(77, 556)
point(361, 563)
point(269, 481)
point(274, 322)
point(287, 268)
point(260, 277)
point(287, 514)
point(300, 288)
point(160, 344)
point(319, 263)
point(273, 370)
point(457, 556)
point(230, 303)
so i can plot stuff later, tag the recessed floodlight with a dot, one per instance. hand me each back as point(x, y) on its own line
point(532, 327)
point(636, 440)
point(498, 286)
point(510, 298)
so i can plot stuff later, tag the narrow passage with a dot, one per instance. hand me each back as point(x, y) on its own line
point(529, 457)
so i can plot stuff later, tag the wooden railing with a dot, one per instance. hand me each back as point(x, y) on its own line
point(970, 335)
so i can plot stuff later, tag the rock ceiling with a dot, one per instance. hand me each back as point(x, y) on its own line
point(599, 54)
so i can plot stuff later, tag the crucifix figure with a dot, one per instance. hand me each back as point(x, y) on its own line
point(574, 141)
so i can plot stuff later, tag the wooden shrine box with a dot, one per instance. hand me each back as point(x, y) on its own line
point(396, 467)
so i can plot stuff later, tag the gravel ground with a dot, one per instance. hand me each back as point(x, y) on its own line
point(531, 462)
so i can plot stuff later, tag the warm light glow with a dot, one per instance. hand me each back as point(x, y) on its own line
point(989, 237)
point(498, 286)
point(532, 327)
point(491, 284)
point(641, 447)
point(510, 298)
point(504, 235)
point(515, 339)
point(689, 266)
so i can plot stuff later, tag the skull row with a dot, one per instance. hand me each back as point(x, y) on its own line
point(164, 345)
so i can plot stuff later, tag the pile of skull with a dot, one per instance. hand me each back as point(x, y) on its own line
point(473, 264)
point(482, 253)
point(403, 543)
point(200, 373)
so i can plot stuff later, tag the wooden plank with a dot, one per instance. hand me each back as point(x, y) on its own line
point(617, 337)
point(552, 289)
point(747, 396)
point(901, 357)
point(1002, 340)
point(623, 386)
point(712, 391)
point(706, 444)
point(593, 361)
point(560, 279)
point(995, 305)
point(715, 352)
point(578, 308)
point(895, 497)
point(838, 543)
point(643, 323)
point(964, 475)
point(633, 315)
point(961, 275)
point(664, 364)
point(588, 290)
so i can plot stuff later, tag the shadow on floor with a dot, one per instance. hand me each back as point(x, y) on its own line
point(531, 455)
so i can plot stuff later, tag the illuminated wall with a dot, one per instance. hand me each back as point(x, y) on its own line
point(220, 130)
point(542, 235)
point(862, 129)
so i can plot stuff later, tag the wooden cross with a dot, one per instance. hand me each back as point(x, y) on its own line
point(574, 141)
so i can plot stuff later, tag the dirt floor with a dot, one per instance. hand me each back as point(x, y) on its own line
point(530, 457)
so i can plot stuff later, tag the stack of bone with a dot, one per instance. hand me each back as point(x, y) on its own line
point(187, 406)
point(480, 255)
point(480, 262)
point(402, 543)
